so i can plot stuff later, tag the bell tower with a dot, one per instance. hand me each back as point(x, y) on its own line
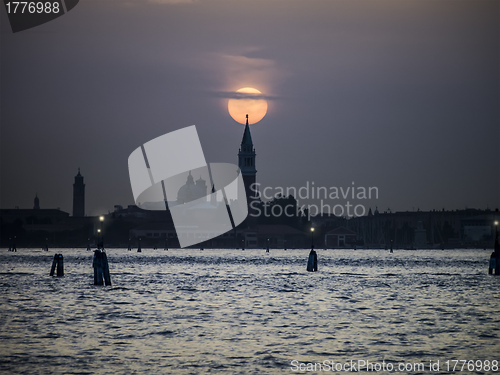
point(246, 162)
point(78, 196)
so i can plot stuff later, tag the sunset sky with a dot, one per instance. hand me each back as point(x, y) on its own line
point(402, 95)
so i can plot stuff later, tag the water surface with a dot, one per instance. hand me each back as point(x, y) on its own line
point(244, 312)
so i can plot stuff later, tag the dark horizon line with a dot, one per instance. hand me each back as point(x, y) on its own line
point(389, 211)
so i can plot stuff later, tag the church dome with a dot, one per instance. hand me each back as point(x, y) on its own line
point(191, 191)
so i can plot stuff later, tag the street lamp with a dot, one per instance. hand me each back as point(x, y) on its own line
point(101, 241)
point(497, 245)
point(312, 238)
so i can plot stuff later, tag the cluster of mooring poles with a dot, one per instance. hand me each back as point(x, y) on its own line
point(101, 268)
point(57, 262)
point(100, 261)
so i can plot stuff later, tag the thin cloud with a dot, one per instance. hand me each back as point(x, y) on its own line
point(242, 95)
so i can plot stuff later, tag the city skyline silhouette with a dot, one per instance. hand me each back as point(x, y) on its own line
point(401, 96)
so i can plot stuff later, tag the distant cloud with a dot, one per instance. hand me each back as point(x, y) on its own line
point(236, 70)
point(242, 95)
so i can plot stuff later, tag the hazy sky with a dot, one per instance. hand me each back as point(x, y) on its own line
point(401, 95)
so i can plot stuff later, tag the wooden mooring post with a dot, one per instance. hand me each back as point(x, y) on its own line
point(101, 268)
point(494, 266)
point(312, 261)
point(57, 265)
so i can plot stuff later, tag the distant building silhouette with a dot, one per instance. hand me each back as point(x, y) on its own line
point(420, 236)
point(340, 237)
point(36, 203)
point(78, 196)
point(246, 162)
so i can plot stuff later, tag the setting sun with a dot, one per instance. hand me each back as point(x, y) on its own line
point(251, 104)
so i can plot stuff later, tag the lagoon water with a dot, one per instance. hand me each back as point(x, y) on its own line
point(246, 312)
